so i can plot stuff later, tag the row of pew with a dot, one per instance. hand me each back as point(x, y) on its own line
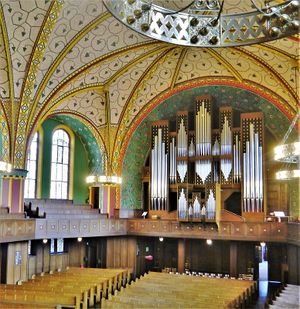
point(74, 288)
point(289, 298)
point(161, 290)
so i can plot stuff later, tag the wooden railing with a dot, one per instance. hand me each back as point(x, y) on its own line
point(25, 229)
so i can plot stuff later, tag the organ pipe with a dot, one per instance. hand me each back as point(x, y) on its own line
point(236, 158)
point(191, 147)
point(182, 204)
point(252, 166)
point(211, 205)
point(159, 168)
point(196, 208)
point(172, 173)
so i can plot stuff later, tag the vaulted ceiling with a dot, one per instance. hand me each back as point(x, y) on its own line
point(71, 57)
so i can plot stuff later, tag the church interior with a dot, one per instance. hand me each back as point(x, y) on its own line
point(149, 150)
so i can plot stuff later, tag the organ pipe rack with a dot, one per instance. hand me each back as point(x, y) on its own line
point(203, 162)
point(236, 148)
point(252, 160)
point(193, 165)
point(159, 166)
point(225, 120)
point(182, 146)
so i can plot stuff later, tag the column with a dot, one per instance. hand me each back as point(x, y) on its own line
point(108, 200)
point(181, 255)
point(12, 195)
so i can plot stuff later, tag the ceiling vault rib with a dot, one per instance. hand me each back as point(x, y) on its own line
point(90, 65)
point(11, 126)
point(178, 67)
point(25, 103)
point(278, 51)
point(225, 63)
point(63, 53)
point(29, 64)
point(142, 78)
point(135, 61)
point(67, 95)
point(86, 121)
point(272, 71)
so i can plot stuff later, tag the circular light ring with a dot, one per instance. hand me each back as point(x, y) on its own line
point(229, 30)
point(288, 174)
point(5, 167)
point(97, 180)
point(288, 153)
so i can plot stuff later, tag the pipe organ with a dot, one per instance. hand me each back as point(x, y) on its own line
point(198, 159)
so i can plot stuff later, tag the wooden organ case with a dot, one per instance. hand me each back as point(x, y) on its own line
point(202, 166)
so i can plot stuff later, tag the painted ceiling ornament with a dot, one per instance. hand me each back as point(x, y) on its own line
point(207, 23)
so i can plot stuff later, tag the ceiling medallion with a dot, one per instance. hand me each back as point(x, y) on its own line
point(202, 23)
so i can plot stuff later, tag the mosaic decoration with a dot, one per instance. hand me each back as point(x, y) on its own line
point(139, 144)
point(87, 139)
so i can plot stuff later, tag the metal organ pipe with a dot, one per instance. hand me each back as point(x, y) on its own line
point(182, 150)
point(159, 176)
point(211, 205)
point(182, 205)
point(253, 176)
point(203, 141)
point(197, 208)
point(236, 159)
point(172, 161)
point(226, 164)
point(192, 148)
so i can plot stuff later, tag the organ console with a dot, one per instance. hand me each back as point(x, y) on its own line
point(196, 161)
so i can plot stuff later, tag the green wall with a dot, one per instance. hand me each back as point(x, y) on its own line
point(80, 188)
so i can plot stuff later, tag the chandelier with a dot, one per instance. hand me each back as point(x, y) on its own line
point(202, 23)
point(5, 167)
point(103, 180)
point(288, 154)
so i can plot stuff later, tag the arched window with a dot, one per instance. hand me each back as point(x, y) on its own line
point(60, 165)
point(31, 166)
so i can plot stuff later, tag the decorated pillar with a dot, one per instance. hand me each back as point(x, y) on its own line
point(12, 195)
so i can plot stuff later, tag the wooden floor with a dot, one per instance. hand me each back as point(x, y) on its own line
point(160, 290)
